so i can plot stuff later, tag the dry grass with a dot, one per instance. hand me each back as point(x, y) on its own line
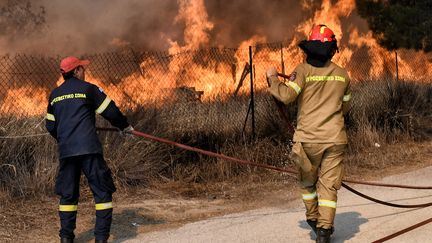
point(27, 165)
point(382, 113)
point(388, 113)
point(180, 186)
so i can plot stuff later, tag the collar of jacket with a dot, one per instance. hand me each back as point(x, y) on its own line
point(71, 79)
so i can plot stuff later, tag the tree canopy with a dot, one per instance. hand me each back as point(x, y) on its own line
point(399, 23)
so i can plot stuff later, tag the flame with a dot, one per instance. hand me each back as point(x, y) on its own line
point(194, 13)
point(242, 53)
point(422, 72)
point(330, 15)
point(25, 100)
point(377, 55)
point(188, 65)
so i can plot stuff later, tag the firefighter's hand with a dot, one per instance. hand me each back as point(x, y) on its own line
point(271, 72)
point(127, 131)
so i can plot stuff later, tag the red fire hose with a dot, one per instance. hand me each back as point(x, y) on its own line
point(284, 75)
point(293, 171)
point(286, 170)
point(403, 231)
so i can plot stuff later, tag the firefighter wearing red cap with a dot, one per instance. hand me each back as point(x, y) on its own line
point(71, 121)
point(322, 90)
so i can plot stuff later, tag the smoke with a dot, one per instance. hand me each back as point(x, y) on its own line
point(239, 20)
point(76, 27)
point(80, 26)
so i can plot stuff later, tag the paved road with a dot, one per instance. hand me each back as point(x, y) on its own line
point(357, 220)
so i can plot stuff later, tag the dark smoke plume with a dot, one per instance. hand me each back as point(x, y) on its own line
point(64, 27)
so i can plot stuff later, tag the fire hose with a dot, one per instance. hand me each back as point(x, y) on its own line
point(285, 170)
point(293, 171)
point(284, 75)
point(403, 231)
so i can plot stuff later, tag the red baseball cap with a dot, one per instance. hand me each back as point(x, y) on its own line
point(70, 63)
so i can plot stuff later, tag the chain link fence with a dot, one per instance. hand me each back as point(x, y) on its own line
point(202, 91)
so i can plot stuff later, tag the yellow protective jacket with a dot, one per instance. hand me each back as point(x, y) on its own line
point(323, 94)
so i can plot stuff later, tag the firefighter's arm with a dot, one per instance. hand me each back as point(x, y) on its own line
point(287, 91)
point(346, 100)
point(107, 109)
point(50, 123)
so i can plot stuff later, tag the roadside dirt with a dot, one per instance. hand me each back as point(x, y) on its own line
point(139, 213)
point(357, 219)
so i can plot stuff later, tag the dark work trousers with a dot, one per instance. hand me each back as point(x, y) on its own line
point(67, 187)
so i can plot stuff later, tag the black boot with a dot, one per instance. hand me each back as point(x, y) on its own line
point(312, 224)
point(101, 241)
point(323, 235)
point(66, 240)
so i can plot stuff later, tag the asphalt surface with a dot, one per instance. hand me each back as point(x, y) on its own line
point(357, 219)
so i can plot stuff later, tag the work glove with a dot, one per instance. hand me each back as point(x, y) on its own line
point(271, 72)
point(127, 131)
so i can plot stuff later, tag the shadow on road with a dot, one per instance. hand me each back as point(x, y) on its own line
point(125, 226)
point(346, 226)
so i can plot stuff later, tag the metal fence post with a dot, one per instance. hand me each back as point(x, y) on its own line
point(282, 60)
point(397, 67)
point(252, 92)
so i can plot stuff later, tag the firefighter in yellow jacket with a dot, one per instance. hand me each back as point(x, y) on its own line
point(322, 90)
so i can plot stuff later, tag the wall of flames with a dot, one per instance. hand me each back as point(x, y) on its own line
point(215, 78)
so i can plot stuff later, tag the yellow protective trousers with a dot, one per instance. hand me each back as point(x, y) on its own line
point(320, 173)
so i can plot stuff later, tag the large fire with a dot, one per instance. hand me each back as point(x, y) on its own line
point(25, 100)
point(216, 78)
